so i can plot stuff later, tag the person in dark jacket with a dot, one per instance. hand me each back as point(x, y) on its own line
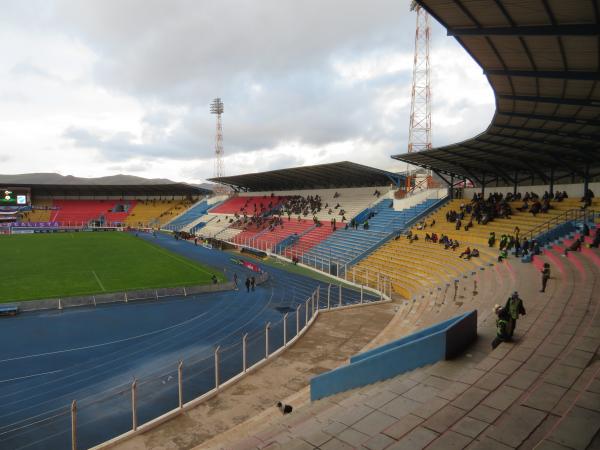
point(247, 284)
point(502, 319)
point(545, 276)
point(514, 307)
point(253, 282)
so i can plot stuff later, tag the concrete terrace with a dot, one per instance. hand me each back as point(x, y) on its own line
point(541, 391)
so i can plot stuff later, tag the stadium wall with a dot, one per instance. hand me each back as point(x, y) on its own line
point(573, 190)
point(444, 340)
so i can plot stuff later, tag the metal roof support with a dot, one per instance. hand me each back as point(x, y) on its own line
point(552, 180)
point(516, 182)
point(483, 185)
point(559, 119)
point(552, 100)
point(584, 137)
point(586, 179)
point(560, 74)
point(543, 30)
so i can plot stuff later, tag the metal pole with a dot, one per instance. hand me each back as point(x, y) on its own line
point(267, 327)
point(244, 356)
point(285, 316)
point(367, 277)
point(134, 405)
point(217, 366)
point(180, 383)
point(298, 319)
point(361, 293)
point(378, 278)
point(329, 297)
point(318, 296)
point(354, 274)
point(306, 312)
point(74, 425)
point(340, 294)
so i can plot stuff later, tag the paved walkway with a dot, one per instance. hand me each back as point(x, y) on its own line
point(541, 391)
point(331, 340)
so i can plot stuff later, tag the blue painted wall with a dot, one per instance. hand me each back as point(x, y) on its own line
point(438, 342)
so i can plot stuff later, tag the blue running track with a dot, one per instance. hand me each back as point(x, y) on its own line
point(48, 359)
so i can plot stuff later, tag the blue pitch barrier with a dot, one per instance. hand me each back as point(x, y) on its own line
point(92, 355)
point(444, 340)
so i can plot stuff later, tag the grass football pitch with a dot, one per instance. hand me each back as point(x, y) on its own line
point(60, 265)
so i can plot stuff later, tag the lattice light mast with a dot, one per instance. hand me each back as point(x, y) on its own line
point(216, 107)
point(419, 134)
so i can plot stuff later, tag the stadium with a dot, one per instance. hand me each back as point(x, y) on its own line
point(167, 315)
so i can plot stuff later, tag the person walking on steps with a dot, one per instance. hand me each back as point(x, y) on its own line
point(545, 276)
point(247, 284)
point(502, 319)
point(514, 307)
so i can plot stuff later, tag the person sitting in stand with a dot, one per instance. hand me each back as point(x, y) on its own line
point(492, 239)
point(474, 253)
point(458, 224)
point(525, 206)
point(596, 242)
point(469, 225)
point(434, 238)
point(466, 253)
point(575, 246)
point(427, 237)
point(454, 245)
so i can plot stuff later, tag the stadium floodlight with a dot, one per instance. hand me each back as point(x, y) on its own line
point(217, 108)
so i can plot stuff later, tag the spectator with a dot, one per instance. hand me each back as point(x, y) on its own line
point(502, 318)
point(575, 246)
point(474, 253)
point(248, 282)
point(466, 253)
point(515, 308)
point(492, 239)
point(545, 276)
point(503, 254)
point(253, 283)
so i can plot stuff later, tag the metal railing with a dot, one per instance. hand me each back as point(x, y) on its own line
point(566, 216)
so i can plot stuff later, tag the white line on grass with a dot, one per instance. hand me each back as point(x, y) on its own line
point(98, 280)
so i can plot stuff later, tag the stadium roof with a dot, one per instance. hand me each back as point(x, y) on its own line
point(323, 176)
point(542, 59)
point(112, 190)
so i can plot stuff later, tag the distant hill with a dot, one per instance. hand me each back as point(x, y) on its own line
point(55, 178)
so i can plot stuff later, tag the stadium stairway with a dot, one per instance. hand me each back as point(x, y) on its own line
point(345, 245)
point(266, 239)
point(39, 213)
point(540, 391)
point(411, 265)
point(196, 211)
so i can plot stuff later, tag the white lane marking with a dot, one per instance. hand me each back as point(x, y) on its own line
point(98, 280)
point(30, 376)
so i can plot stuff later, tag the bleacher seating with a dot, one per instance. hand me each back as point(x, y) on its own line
point(39, 213)
point(155, 213)
point(190, 215)
point(345, 245)
point(413, 265)
point(267, 238)
point(248, 204)
point(81, 212)
point(539, 391)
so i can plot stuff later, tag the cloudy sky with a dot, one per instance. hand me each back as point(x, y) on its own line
point(99, 87)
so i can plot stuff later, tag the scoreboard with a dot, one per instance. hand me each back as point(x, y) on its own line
point(18, 197)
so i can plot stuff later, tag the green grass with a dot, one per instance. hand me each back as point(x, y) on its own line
point(60, 265)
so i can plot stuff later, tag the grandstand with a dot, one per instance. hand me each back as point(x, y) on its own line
point(140, 206)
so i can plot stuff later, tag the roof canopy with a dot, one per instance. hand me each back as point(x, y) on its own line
point(542, 59)
point(323, 176)
point(175, 189)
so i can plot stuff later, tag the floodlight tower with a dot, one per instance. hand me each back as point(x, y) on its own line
point(419, 133)
point(216, 107)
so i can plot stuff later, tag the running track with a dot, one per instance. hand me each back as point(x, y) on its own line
point(48, 359)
